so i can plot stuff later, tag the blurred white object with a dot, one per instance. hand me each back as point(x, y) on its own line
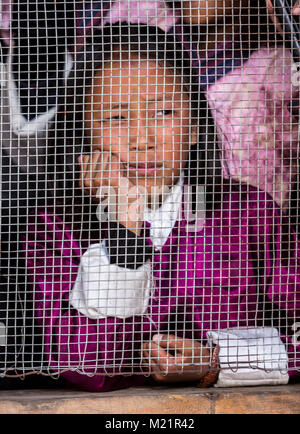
point(250, 356)
point(151, 12)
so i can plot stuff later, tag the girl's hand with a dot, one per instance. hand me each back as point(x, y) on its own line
point(296, 8)
point(103, 175)
point(99, 170)
point(270, 7)
point(173, 359)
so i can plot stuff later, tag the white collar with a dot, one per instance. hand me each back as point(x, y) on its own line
point(163, 219)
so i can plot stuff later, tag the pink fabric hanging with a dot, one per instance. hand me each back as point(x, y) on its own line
point(5, 20)
point(94, 15)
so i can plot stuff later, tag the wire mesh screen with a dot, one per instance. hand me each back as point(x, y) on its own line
point(150, 191)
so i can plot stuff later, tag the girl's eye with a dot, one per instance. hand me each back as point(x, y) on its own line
point(164, 112)
point(117, 118)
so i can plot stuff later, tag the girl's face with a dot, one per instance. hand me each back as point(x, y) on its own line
point(200, 12)
point(138, 112)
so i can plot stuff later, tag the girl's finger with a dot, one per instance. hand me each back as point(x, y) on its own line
point(84, 159)
point(101, 173)
point(165, 373)
point(87, 164)
point(173, 342)
point(93, 169)
point(115, 173)
point(155, 370)
point(273, 16)
point(144, 349)
point(165, 361)
point(100, 177)
point(296, 8)
point(149, 363)
point(159, 355)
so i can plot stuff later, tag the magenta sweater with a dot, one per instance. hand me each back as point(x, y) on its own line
point(233, 273)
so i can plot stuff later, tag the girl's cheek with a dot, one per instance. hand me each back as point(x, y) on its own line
point(110, 139)
point(93, 132)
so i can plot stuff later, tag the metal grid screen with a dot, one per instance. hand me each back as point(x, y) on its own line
point(150, 191)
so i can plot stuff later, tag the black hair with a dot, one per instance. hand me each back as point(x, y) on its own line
point(68, 140)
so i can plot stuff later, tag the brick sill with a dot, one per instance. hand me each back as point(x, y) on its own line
point(158, 400)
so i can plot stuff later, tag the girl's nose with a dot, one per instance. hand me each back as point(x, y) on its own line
point(141, 136)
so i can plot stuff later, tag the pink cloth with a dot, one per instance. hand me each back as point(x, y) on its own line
point(5, 20)
point(258, 133)
point(151, 12)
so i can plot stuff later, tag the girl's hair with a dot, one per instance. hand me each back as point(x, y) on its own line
point(68, 140)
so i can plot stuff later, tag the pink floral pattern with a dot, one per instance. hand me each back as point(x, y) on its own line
point(5, 20)
point(151, 12)
point(258, 133)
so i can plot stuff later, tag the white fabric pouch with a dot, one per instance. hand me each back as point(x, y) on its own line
point(250, 356)
point(105, 290)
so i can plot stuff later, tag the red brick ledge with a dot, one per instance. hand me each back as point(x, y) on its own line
point(159, 400)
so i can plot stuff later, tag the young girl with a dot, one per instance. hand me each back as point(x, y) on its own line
point(250, 81)
point(169, 270)
point(247, 75)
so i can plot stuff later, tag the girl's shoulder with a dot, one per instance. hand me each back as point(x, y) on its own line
point(244, 213)
point(46, 224)
point(60, 222)
point(48, 214)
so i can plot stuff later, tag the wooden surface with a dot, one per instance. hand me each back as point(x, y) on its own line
point(159, 400)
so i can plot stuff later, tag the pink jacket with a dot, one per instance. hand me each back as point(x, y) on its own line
point(257, 126)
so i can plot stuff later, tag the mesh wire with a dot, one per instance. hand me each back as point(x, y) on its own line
point(149, 188)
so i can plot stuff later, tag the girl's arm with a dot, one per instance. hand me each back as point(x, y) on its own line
point(77, 346)
point(172, 359)
point(114, 276)
point(268, 353)
point(125, 254)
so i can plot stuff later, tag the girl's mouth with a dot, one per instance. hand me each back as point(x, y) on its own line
point(144, 169)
